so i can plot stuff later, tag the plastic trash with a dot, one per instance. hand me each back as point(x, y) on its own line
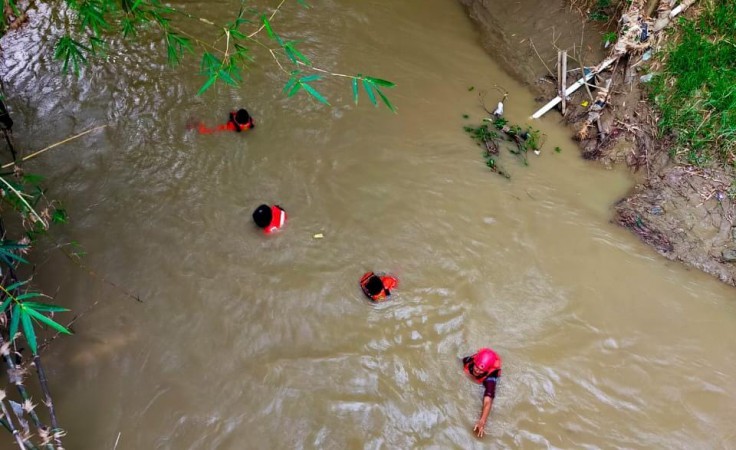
point(647, 55)
point(646, 78)
point(499, 110)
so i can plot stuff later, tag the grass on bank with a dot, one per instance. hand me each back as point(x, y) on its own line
point(696, 88)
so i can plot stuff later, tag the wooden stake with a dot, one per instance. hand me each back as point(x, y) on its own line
point(563, 82)
point(560, 90)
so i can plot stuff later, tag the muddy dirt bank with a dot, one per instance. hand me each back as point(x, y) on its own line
point(523, 35)
point(683, 212)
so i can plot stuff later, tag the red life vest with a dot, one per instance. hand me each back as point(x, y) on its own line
point(278, 218)
point(231, 125)
point(387, 283)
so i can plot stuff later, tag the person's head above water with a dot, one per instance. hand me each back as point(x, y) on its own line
point(270, 218)
point(377, 288)
point(262, 216)
point(241, 119)
point(238, 121)
point(374, 286)
point(485, 361)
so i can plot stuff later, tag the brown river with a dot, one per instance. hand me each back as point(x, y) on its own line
point(246, 341)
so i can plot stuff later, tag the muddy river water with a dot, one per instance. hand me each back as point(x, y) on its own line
point(247, 341)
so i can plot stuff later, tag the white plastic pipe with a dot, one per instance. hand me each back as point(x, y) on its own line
point(574, 87)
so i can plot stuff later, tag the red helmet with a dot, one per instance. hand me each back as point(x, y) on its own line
point(487, 360)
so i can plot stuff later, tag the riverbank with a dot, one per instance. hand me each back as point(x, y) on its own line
point(683, 201)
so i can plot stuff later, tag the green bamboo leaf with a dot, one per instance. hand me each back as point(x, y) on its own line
point(385, 101)
point(98, 46)
point(234, 71)
point(33, 178)
point(267, 25)
point(355, 90)
point(313, 92)
point(225, 76)
point(369, 90)
point(15, 285)
point(70, 51)
point(92, 17)
point(27, 295)
point(294, 89)
point(210, 64)
point(12, 4)
point(289, 84)
point(48, 321)
point(272, 34)
point(12, 245)
point(290, 54)
point(127, 5)
point(14, 320)
point(46, 307)
point(176, 46)
point(240, 56)
point(59, 216)
point(380, 82)
point(310, 78)
point(28, 331)
point(128, 26)
point(7, 255)
point(5, 304)
point(237, 34)
point(296, 54)
point(207, 84)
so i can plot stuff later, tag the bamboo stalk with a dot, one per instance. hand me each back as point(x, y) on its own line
point(16, 433)
point(9, 139)
point(560, 90)
point(563, 82)
point(34, 154)
point(47, 395)
point(8, 427)
point(22, 390)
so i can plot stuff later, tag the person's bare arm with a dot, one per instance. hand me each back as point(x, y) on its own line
point(480, 425)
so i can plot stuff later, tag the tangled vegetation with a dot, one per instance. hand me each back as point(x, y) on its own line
point(696, 88)
point(523, 139)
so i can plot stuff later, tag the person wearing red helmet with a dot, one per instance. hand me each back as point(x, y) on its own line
point(238, 121)
point(484, 367)
point(377, 288)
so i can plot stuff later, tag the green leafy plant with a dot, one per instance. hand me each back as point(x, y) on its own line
point(26, 313)
point(609, 38)
point(695, 90)
point(599, 12)
point(95, 22)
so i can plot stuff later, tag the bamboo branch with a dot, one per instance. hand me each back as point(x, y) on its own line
point(96, 275)
point(16, 433)
point(55, 430)
point(34, 154)
point(269, 19)
point(17, 379)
